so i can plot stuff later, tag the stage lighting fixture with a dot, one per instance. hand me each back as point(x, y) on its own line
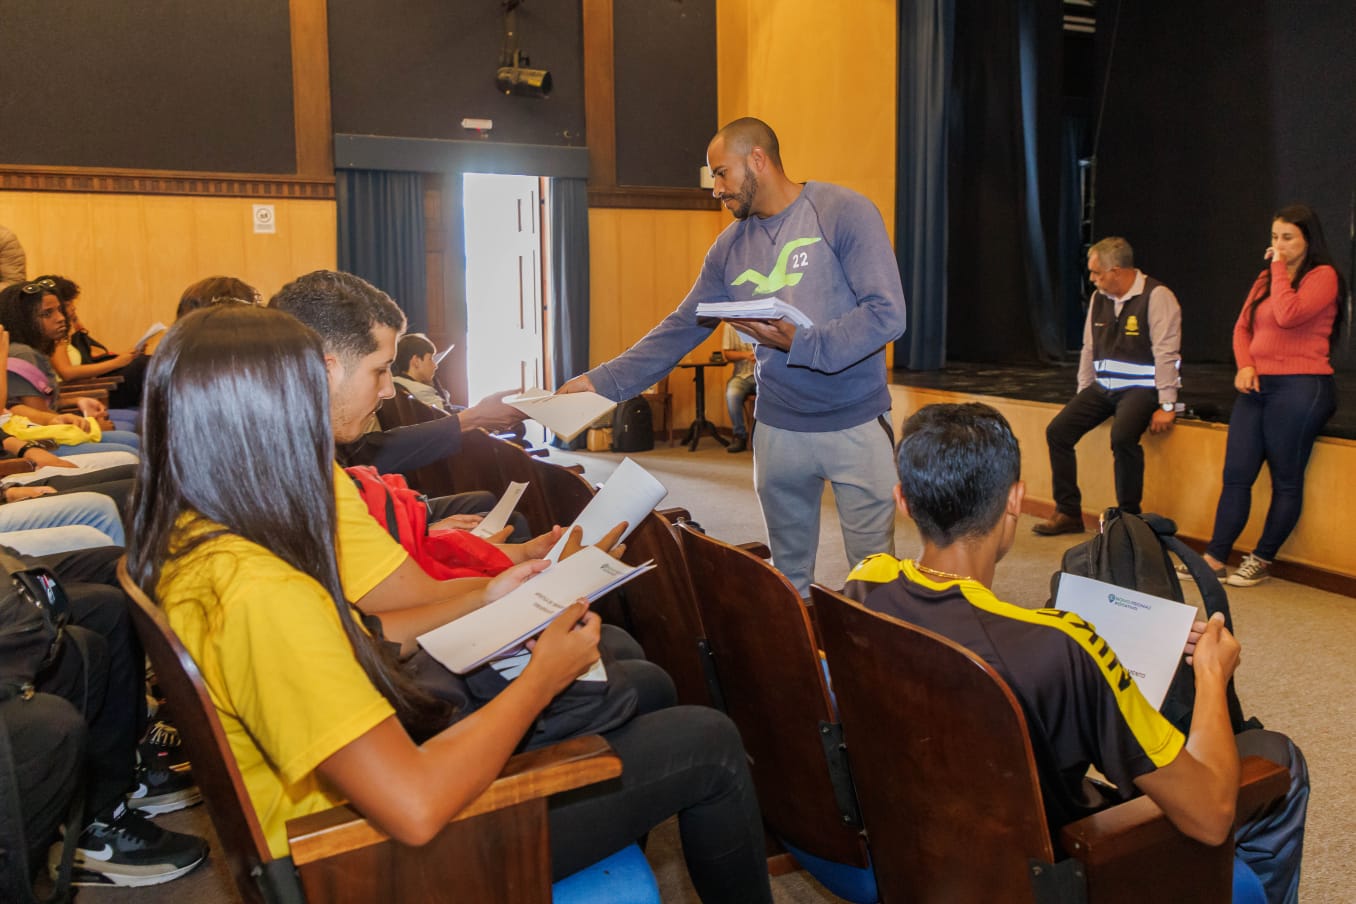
point(515, 76)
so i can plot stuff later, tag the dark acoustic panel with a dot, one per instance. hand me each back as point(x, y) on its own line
point(665, 64)
point(415, 69)
point(147, 84)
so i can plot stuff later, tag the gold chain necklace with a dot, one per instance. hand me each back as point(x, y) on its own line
point(944, 575)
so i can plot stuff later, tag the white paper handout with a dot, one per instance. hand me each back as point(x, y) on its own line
point(629, 495)
point(85, 463)
point(499, 515)
point(501, 627)
point(566, 415)
point(1147, 632)
point(757, 309)
point(151, 332)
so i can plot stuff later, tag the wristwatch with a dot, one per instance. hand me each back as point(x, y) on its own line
point(23, 450)
point(1168, 406)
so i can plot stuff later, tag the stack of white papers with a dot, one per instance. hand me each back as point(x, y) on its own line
point(502, 626)
point(566, 415)
point(629, 495)
point(1147, 633)
point(758, 309)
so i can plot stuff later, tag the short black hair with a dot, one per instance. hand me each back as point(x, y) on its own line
point(411, 346)
point(747, 133)
point(957, 463)
point(344, 309)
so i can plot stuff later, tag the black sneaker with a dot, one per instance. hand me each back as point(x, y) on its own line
point(164, 780)
point(126, 848)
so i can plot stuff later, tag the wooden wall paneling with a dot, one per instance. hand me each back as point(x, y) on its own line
point(133, 254)
point(311, 88)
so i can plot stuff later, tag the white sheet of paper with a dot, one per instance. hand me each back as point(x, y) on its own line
point(1147, 632)
point(567, 415)
point(439, 356)
point(499, 515)
point(85, 463)
point(629, 495)
point(480, 636)
point(151, 330)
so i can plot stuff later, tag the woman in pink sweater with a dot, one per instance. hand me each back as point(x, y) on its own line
point(1285, 385)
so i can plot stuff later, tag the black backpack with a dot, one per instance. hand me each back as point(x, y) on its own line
point(1132, 551)
point(633, 426)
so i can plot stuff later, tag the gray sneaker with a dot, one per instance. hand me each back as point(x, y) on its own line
point(126, 848)
point(1251, 572)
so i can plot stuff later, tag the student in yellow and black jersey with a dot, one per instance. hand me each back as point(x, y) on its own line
point(960, 481)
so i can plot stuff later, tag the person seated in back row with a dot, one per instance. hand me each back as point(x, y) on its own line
point(960, 481)
point(1128, 371)
point(740, 386)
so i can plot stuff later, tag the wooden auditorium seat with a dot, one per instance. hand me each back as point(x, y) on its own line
point(950, 796)
point(773, 687)
point(496, 850)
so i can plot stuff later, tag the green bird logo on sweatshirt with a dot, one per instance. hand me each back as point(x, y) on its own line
point(779, 278)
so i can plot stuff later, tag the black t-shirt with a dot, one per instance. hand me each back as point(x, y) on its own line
point(1082, 707)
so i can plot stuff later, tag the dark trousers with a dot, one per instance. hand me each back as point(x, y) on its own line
point(46, 739)
point(687, 760)
point(1277, 424)
point(1132, 409)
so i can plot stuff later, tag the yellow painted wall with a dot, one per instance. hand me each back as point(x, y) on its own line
point(823, 76)
point(134, 254)
point(1181, 477)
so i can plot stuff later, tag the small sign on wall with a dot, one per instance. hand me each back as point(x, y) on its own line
point(264, 219)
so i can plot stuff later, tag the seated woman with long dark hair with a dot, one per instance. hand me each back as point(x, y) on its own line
point(234, 532)
point(1286, 391)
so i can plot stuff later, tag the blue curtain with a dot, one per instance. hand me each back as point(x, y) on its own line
point(570, 277)
point(381, 236)
point(926, 32)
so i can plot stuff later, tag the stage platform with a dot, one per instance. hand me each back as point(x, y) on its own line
point(1182, 467)
point(1207, 389)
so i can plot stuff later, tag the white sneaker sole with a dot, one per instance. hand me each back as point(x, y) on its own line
point(158, 807)
point(129, 876)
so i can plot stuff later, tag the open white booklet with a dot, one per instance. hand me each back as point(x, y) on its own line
point(1148, 633)
point(85, 463)
point(501, 627)
point(566, 415)
point(629, 495)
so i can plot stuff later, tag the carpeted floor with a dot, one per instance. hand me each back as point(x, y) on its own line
point(1296, 644)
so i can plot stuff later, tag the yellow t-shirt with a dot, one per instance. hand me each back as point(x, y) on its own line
point(367, 553)
point(280, 670)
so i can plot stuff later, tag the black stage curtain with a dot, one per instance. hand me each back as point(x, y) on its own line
point(1003, 183)
point(569, 278)
point(926, 30)
point(381, 236)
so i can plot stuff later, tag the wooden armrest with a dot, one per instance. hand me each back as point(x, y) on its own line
point(93, 383)
point(674, 515)
point(561, 767)
point(10, 466)
point(68, 396)
point(1131, 849)
point(756, 548)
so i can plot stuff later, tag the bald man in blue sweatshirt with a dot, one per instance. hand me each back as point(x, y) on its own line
point(823, 407)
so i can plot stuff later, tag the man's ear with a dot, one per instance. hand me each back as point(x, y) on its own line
point(334, 368)
point(757, 159)
point(900, 502)
point(1016, 495)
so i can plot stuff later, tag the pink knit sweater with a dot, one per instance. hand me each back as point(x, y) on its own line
point(1289, 334)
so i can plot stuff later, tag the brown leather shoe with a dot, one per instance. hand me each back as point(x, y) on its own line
point(1059, 524)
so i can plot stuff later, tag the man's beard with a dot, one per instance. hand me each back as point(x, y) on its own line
point(745, 197)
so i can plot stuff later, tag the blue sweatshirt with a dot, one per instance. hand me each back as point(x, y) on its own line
point(828, 254)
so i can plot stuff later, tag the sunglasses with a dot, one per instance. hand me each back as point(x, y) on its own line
point(38, 287)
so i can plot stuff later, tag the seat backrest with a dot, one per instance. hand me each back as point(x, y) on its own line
point(659, 609)
point(476, 465)
point(404, 410)
point(771, 680)
point(566, 492)
point(940, 756)
point(214, 766)
point(514, 464)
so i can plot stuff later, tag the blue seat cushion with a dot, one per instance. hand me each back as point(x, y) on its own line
point(1247, 887)
point(855, 883)
point(623, 878)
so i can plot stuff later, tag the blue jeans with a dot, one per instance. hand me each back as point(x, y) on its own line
point(736, 391)
point(1277, 424)
point(112, 441)
point(87, 519)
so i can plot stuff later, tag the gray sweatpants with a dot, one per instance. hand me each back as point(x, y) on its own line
point(789, 471)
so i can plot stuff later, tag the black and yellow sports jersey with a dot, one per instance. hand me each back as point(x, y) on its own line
point(1082, 706)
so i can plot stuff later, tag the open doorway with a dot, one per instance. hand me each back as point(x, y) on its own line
point(505, 344)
